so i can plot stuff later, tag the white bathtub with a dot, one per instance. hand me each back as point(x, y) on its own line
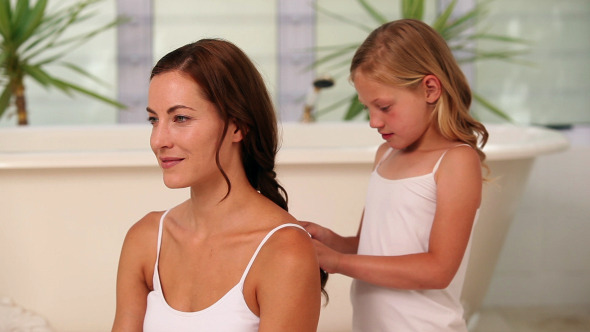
point(69, 194)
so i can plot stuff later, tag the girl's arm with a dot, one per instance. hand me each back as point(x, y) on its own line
point(288, 287)
point(459, 183)
point(132, 287)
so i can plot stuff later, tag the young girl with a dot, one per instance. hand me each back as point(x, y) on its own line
point(408, 258)
point(229, 258)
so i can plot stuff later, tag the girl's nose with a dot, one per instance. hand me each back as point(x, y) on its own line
point(374, 120)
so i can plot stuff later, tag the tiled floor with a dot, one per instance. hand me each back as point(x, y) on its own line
point(534, 319)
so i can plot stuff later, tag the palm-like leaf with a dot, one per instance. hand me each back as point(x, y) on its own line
point(32, 39)
point(413, 9)
point(380, 19)
point(354, 109)
point(344, 19)
point(458, 31)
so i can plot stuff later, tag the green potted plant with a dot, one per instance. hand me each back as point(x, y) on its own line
point(33, 39)
point(460, 31)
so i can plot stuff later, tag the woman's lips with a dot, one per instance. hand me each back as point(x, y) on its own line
point(169, 162)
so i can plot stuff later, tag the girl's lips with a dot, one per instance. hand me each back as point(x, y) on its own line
point(386, 136)
point(169, 162)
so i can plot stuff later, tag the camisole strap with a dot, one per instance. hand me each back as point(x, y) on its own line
point(262, 243)
point(384, 156)
point(442, 156)
point(160, 231)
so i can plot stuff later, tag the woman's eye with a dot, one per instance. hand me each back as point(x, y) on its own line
point(180, 118)
point(152, 119)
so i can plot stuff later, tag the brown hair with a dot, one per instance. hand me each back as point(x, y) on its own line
point(230, 81)
point(402, 53)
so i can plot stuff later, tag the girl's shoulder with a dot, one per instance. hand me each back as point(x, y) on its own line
point(461, 154)
point(459, 161)
point(382, 151)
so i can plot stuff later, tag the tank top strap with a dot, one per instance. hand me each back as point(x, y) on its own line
point(384, 156)
point(160, 231)
point(262, 244)
point(443, 154)
point(156, 279)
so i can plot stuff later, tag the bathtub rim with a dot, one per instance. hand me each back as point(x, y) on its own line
point(548, 141)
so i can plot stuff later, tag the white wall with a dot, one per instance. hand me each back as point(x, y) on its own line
point(546, 257)
point(61, 229)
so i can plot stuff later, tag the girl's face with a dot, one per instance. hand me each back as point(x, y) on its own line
point(401, 115)
point(185, 131)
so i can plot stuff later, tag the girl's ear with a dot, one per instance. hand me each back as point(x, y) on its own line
point(432, 88)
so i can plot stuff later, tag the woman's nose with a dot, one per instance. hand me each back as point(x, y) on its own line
point(160, 137)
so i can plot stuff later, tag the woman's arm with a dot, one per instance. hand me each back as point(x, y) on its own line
point(459, 184)
point(288, 283)
point(132, 287)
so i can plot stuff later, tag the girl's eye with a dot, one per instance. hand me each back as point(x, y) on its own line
point(384, 108)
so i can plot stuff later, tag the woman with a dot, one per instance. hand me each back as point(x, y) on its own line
point(230, 258)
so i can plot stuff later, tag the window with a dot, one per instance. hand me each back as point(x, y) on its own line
point(554, 89)
point(280, 36)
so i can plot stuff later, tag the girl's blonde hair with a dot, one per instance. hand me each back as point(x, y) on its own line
point(402, 53)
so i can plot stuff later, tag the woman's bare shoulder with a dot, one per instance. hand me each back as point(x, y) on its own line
point(265, 216)
point(287, 267)
point(142, 238)
point(146, 226)
point(290, 247)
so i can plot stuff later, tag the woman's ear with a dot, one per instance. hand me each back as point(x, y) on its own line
point(236, 133)
point(432, 88)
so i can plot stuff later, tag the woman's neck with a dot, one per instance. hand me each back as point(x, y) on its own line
point(216, 209)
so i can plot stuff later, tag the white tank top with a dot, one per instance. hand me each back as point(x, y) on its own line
point(397, 221)
point(230, 313)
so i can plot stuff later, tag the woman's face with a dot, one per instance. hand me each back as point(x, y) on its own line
point(186, 129)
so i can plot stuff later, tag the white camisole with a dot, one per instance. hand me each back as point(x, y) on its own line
point(230, 313)
point(397, 221)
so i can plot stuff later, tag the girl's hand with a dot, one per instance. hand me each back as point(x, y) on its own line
point(327, 237)
point(318, 232)
point(322, 238)
point(329, 258)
